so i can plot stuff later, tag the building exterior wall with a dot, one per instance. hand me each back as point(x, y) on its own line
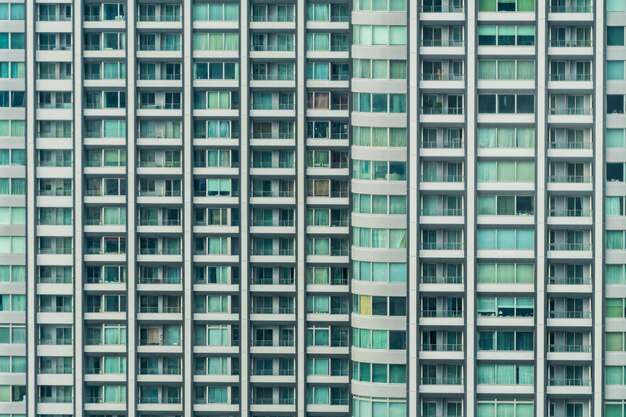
point(312, 208)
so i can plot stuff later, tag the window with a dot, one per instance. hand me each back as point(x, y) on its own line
point(505, 374)
point(614, 70)
point(615, 104)
point(506, 70)
point(506, 137)
point(506, 239)
point(614, 341)
point(506, 103)
point(506, 5)
point(505, 307)
point(379, 103)
point(506, 35)
point(380, 5)
point(509, 171)
point(379, 69)
point(216, 11)
point(615, 5)
point(379, 35)
point(506, 340)
point(379, 271)
point(503, 273)
point(615, 36)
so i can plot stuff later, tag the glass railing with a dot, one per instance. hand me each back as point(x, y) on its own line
point(570, 77)
point(576, 111)
point(273, 18)
point(569, 314)
point(569, 382)
point(442, 313)
point(569, 246)
point(161, 18)
point(571, 9)
point(440, 8)
point(441, 42)
point(442, 245)
point(263, 193)
point(443, 347)
point(442, 381)
point(442, 280)
point(162, 371)
point(577, 179)
point(157, 251)
point(160, 77)
point(442, 77)
point(566, 144)
point(272, 77)
point(571, 43)
point(569, 348)
point(58, 341)
point(159, 280)
point(442, 144)
point(442, 212)
point(569, 280)
point(442, 178)
point(570, 213)
point(273, 47)
point(442, 110)
point(161, 309)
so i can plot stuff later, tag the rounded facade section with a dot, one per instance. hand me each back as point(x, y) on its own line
point(379, 208)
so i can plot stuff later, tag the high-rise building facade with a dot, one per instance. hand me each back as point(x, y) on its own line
point(323, 208)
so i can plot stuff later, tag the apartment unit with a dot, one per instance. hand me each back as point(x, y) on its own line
point(323, 208)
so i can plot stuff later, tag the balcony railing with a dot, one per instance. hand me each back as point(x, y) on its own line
point(273, 77)
point(442, 245)
point(162, 309)
point(572, 111)
point(569, 280)
point(157, 251)
point(570, 213)
point(442, 280)
point(569, 382)
point(271, 223)
point(571, 9)
point(272, 252)
point(159, 164)
point(441, 42)
point(271, 372)
point(442, 212)
point(569, 348)
point(444, 144)
point(161, 18)
point(442, 110)
point(442, 77)
point(273, 47)
point(162, 371)
point(159, 280)
point(570, 43)
point(570, 77)
point(442, 381)
point(159, 77)
point(569, 246)
point(159, 222)
point(442, 313)
point(569, 314)
point(443, 178)
point(443, 347)
point(273, 18)
point(440, 8)
point(263, 193)
point(572, 179)
point(565, 144)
